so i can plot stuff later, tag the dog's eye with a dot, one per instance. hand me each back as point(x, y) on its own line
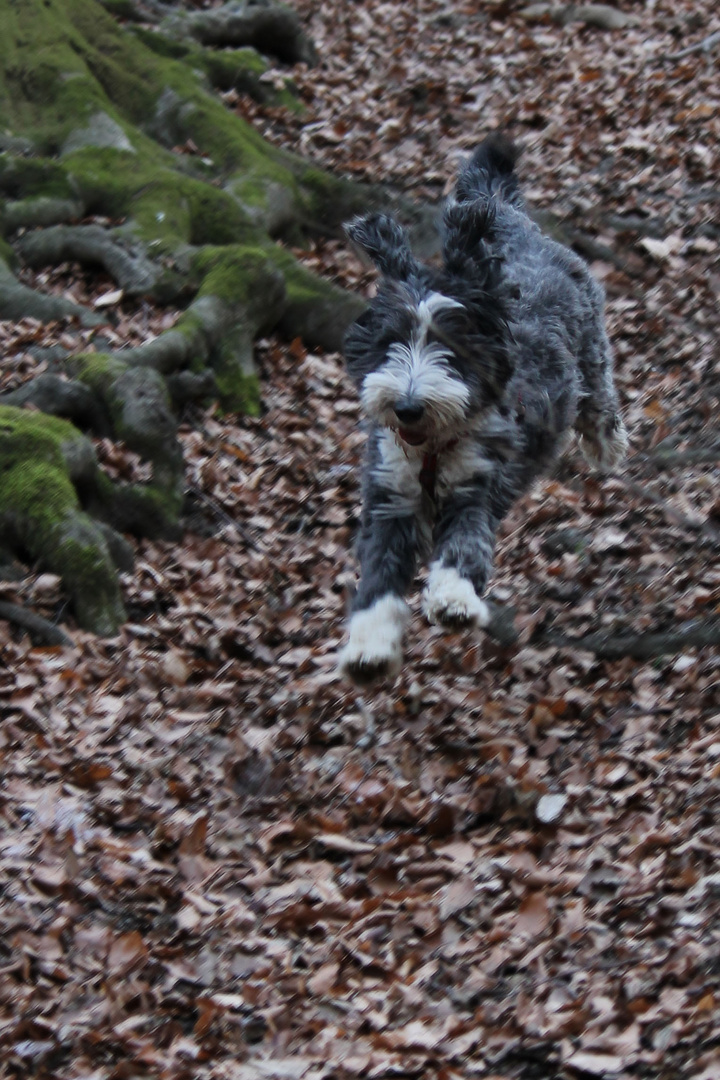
point(452, 321)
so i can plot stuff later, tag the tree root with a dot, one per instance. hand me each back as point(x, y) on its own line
point(40, 513)
point(90, 245)
point(270, 27)
point(40, 212)
point(612, 644)
point(52, 394)
point(17, 301)
point(600, 15)
point(41, 630)
point(670, 459)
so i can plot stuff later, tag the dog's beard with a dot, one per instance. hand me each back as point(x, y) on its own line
point(420, 376)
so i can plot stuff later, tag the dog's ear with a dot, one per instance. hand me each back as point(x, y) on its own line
point(466, 226)
point(386, 242)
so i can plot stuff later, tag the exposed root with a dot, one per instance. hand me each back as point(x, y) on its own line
point(91, 245)
point(41, 630)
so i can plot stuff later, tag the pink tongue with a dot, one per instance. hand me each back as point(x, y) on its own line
point(414, 438)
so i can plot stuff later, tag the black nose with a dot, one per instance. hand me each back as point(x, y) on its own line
point(409, 414)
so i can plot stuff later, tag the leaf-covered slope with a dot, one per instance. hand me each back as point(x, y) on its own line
point(219, 861)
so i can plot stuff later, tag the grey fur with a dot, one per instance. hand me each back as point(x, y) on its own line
point(501, 370)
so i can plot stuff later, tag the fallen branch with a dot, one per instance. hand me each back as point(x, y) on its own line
point(501, 627)
point(674, 459)
point(644, 645)
point(580, 241)
point(641, 491)
point(600, 15)
point(216, 508)
point(41, 630)
point(56, 396)
point(705, 46)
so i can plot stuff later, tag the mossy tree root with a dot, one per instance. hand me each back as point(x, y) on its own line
point(133, 272)
point(42, 458)
point(121, 123)
point(269, 26)
point(17, 301)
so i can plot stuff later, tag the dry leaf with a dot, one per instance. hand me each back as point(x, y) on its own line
point(533, 915)
point(549, 808)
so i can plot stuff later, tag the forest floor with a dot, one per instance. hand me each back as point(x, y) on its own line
point(218, 860)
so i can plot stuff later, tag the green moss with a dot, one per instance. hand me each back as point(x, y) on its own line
point(239, 391)
point(242, 70)
point(40, 491)
point(64, 63)
point(23, 432)
point(234, 61)
point(22, 177)
point(234, 273)
point(121, 9)
point(104, 179)
point(261, 190)
point(162, 213)
point(159, 508)
point(82, 560)
point(161, 45)
point(128, 92)
point(166, 207)
point(40, 515)
point(304, 287)
point(34, 480)
point(7, 255)
point(328, 198)
point(140, 509)
point(96, 370)
point(80, 97)
point(215, 216)
point(191, 326)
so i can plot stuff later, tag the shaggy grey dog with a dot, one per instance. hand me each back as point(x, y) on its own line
point(471, 375)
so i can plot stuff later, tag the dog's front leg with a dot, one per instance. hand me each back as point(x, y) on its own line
point(465, 536)
point(387, 550)
point(464, 546)
point(457, 576)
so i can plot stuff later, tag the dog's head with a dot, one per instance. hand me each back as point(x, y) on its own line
point(430, 352)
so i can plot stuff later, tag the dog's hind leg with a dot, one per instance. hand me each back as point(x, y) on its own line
point(603, 436)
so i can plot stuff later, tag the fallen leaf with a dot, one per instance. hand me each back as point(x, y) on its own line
point(549, 808)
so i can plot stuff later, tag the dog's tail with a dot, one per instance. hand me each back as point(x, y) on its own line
point(490, 170)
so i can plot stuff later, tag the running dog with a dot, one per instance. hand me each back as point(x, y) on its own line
point(472, 376)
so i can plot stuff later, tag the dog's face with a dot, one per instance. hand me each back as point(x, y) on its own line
point(430, 352)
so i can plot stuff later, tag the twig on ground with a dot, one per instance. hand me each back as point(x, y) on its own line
point(41, 630)
point(705, 46)
point(673, 459)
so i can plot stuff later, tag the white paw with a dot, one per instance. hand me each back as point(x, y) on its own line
point(375, 646)
point(452, 601)
point(605, 451)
